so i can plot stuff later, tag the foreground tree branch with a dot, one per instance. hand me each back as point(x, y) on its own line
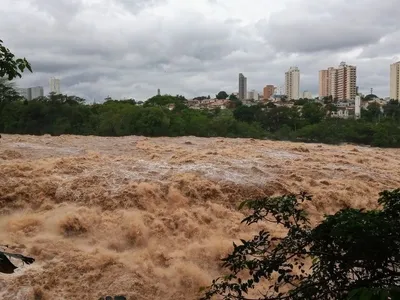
point(9, 65)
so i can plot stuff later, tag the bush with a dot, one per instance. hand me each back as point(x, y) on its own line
point(353, 254)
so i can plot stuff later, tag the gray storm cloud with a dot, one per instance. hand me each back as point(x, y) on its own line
point(130, 48)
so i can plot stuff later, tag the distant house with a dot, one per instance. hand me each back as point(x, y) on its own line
point(343, 112)
point(209, 104)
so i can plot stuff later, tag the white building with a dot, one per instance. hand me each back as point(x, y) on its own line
point(31, 93)
point(292, 83)
point(357, 107)
point(307, 95)
point(343, 113)
point(252, 95)
point(54, 84)
point(36, 92)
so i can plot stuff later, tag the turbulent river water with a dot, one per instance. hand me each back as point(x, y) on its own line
point(150, 218)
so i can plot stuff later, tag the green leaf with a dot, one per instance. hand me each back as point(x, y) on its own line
point(366, 294)
point(353, 294)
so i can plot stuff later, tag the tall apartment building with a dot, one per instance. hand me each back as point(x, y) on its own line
point(328, 83)
point(242, 87)
point(324, 89)
point(54, 84)
point(292, 83)
point(31, 93)
point(268, 91)
point(340, 83)
point(36, 92)
point(395, 81)
point(333, 82)
point(346, 82)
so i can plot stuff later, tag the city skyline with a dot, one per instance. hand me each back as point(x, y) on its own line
point(339, 83)
point(198, 58)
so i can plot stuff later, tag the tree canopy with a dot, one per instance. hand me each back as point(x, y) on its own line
point(222, 95)
point(353, 254)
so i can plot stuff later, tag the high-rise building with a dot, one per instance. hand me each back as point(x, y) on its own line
point(324, 89)
point(36, 92)
point(328, 83)
point(333, 82)
point(31, 93)
point(252, 95)
point(307, 95)
point(292, 83)
point(268, 91)
point(242, 87)
point(54, 84)
point(346, 82)
point(395, 81)
point(340, 83)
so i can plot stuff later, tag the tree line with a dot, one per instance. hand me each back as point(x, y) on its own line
point(306, 121)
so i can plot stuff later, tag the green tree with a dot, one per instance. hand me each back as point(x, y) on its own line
point(373, 112)
point(330, 107)
point(313, 112)
point(392, 109)
point(276, 117)
point(165, 100)
point(8, 92)
point(353, 254)
point(233, 97)
point(327, 99)
point(301, 101)
point(222, 95)
point(245, 113)
point(9, 65)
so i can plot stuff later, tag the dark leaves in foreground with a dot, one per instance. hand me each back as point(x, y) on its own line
point(11, 66)
point(353, 254)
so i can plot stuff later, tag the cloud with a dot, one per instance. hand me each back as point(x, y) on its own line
point(388, 46)
point(130, 48)
point(332, 25)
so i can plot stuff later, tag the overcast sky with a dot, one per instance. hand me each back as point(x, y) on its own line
point(129, 48)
